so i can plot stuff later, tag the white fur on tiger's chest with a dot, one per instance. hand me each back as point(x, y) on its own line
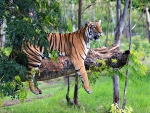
point(37, 68)
point(62, 54)
point(86, 52)
point(86, 48)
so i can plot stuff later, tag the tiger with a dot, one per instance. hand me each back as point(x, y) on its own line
point(75, 45)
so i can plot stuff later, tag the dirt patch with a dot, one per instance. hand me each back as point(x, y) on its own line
point(49, 82)
point(14, 102)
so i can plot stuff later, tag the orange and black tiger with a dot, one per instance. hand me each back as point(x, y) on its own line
point(75, 45)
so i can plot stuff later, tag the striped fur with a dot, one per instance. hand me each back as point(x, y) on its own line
point(75, 45)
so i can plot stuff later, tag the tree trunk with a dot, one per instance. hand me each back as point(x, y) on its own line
point(116, 90)
point(0, 35)
point(50, 69)
point(119, 28)
point(112, 15)
point(127, 71)
point(76, 77)
point(107, 30)
point(120, 21)
point(73, 16)
point(117, 32)
point(148, 23)
point(60, 23)
point(79, 14)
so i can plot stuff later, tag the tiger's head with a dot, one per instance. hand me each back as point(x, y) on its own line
point(93, 30)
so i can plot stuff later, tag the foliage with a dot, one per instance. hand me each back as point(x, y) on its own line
point(28, 20)
point(6, 51)
point(25, 21)
point(141, 47)
point(116, 109)
point(95, 75)
point(136, 67)
point(140, 4)
point(54, 55)
point(137, 4)
point(2, 10)
point(10, 82)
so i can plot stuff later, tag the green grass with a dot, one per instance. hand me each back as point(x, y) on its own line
point(97, 102)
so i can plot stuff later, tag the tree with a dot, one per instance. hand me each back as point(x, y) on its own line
point(25, 19)
point(148, 23)
point(120, 20)
point(76, 78)
point(130, 45)
point(118, 32)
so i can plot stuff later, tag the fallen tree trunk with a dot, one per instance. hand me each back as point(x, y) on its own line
point(50, 70)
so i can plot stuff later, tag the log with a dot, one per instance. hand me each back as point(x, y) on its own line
point(63, 67)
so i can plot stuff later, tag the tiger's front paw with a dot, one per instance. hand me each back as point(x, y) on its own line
point(88, 90)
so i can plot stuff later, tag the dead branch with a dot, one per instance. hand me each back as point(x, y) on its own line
point(49, 69)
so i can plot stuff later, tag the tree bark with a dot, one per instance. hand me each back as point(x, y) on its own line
point(2, 33)
point(127, 71)
point(79, 14)
point(120, 21)
point(60, 23)
point(117, 32)
point(116, 90)
point(119, 27)
point(107, 30)
point(0, 36)
point(50, 69)
point(73, 17)
point(148, 23)
point(75, 98)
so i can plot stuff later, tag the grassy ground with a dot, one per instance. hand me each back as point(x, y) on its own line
point(97, 102)
point(53, 98)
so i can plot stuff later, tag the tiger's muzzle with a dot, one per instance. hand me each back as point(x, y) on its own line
point(97, 36)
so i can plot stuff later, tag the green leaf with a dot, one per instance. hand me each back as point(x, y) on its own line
point(54, 55)
point(7, 51)
point(33, 71)
point(17, 78)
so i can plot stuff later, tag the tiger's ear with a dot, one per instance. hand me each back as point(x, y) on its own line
point(99, 22)
point(86, 23)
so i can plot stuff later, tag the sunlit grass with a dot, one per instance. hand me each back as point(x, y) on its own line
point(97, 102)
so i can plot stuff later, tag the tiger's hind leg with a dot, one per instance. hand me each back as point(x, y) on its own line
point(68, 90)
